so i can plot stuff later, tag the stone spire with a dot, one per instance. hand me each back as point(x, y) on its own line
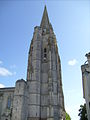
point(45, 20)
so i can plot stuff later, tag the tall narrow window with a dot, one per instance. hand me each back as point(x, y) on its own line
point(9, 103)
point(45, 53)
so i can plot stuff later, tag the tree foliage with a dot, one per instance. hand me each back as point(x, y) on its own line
point(67, 117)
point(83, 112)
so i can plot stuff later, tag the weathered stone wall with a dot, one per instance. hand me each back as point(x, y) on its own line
point(6, 102)
point(44, 80)
point(35, 79)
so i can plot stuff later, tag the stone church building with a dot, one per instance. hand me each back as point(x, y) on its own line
point(86, 83)
point(40, 97)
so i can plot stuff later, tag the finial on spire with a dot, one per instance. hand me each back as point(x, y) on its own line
point(45, 20)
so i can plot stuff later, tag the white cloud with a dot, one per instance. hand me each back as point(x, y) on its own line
point(2, 86)
point(72, 62)
point(1, 62)
point(5, 72)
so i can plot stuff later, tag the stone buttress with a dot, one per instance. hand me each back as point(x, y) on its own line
point(19, 111)
point(34, 75)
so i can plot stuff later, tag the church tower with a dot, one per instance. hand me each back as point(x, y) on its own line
point(45, 93)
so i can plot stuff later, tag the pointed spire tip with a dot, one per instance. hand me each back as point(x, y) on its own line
point(45, 19)
point(45, 7)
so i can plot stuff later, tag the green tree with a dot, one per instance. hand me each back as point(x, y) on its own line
point(67, 116)
point(83, 112)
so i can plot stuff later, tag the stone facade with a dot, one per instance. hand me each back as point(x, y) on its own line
point(41, 95)
point(86, 83)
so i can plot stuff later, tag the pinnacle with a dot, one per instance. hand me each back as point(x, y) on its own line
point(45, 20)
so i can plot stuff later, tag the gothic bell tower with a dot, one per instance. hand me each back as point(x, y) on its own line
point(46, 100)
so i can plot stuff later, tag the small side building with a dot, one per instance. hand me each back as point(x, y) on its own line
point(13, 100)
point(86, 83)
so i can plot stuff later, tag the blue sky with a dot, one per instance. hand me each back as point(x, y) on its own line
point(71, 24)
